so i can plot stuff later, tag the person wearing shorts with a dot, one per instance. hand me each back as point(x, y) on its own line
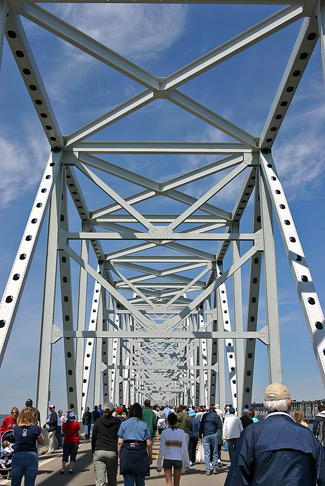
point(173, 448)
point(71, 441)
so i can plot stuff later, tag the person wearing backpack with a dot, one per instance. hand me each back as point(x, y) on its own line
point(319, 424)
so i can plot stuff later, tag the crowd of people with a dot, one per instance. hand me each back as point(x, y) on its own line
point(279, 449)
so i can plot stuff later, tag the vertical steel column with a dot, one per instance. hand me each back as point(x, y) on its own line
point(192, 362)
point(67, 310)
point(98, 349)
point(238, 318)
point(220, 351)
point(89, 348)
point(209, 343)
point(225, 325)
point(127, 372)
point(115, 381)
point(81, 319)
point(321, 27)
point(252, 307)
point(3, 16)
point(203, 363)
point(45, 353)
point(214, 354)
point(271, 296)
point(105, 348)
point(111, 317)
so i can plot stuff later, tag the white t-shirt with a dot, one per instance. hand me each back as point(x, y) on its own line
point(232, 427)
point(173, 446)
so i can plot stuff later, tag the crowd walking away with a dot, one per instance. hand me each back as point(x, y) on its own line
point(272, 448)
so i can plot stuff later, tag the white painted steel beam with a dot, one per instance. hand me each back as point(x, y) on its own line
point(31, 76)
point(3, 18)
point(308, 297)
point(216, 188)
point(212, 118)
point(270, 279)
point(300, 55)
point(121, 111)
point(67, 312)
point(252, 306)
point(45, 353)
point(160, 233)
point(88, 45)
point(203, 148)
point(321, 27)
point(19, 272)
point(234, 46)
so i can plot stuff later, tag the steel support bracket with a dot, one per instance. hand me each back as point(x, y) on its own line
point(57, 334)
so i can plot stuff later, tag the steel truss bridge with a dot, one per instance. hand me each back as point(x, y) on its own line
point(152, 309)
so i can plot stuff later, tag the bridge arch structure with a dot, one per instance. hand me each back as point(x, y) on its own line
point(166, 299)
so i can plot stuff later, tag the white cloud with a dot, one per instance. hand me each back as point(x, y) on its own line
point(137, 31)
point(300, 163)
point(22, 163)
point(299, 157)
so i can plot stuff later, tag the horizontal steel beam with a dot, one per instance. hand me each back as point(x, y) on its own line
point(159, 233)
point(161, 148)
point(58, 334)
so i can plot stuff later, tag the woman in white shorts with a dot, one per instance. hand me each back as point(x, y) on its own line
point(173, 448)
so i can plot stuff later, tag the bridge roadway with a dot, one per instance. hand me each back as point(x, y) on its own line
point(50, 464)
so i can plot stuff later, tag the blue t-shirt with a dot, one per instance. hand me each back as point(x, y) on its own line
point(134, 429)
point(25, 438)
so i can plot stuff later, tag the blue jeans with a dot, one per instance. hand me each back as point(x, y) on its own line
point(59, 436)
point(24, 464)
point(210, 442)
point(232, 444)
point(87, 431)
point(130, 480)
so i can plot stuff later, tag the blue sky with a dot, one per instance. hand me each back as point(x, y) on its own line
point(162, 39)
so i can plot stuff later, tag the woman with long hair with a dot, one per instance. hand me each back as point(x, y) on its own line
point(10, 421)
point(25, 456)
point(297, 417)
point(173, 447)
point(134, 448)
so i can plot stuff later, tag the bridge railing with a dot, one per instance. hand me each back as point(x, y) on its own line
point(308, 409)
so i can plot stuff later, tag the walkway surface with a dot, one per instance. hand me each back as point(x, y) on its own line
point(49, 467)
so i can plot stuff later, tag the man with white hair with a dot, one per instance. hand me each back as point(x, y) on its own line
point(277, 450)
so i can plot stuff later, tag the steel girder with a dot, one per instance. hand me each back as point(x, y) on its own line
point(160, 315)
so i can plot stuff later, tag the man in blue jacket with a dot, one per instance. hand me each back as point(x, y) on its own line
point(277, 450)
point(209, 426)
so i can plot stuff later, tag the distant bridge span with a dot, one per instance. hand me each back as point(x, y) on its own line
point(166, 297)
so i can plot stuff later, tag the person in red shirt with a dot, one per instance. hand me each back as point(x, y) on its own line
point(71, 441)
point(10, 421)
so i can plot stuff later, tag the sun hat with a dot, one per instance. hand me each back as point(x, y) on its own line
point(71, 416)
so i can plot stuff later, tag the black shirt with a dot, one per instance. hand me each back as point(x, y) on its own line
point(245, 420)
point(104, 436)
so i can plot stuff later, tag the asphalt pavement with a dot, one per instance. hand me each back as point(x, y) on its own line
point(50, 465)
